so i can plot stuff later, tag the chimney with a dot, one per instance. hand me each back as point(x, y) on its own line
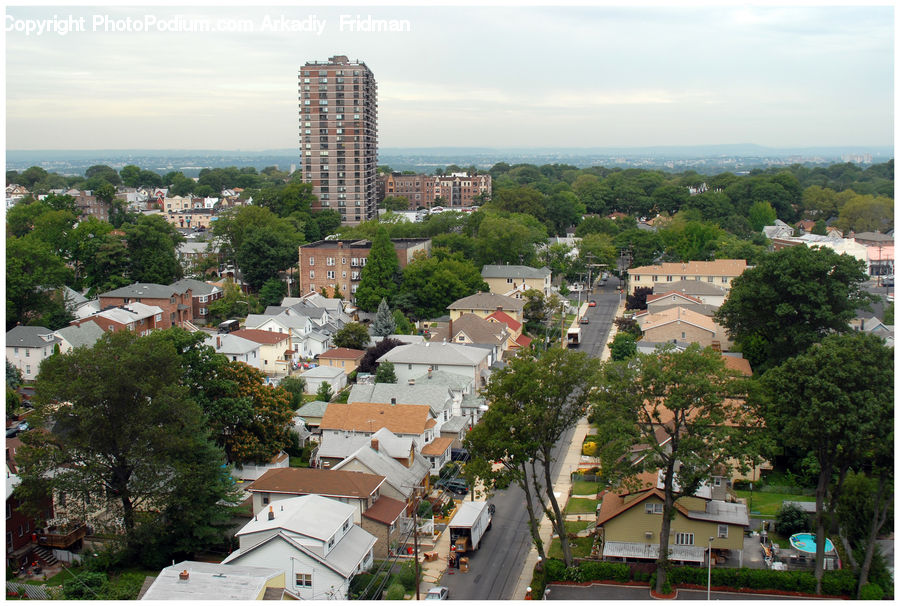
point(271, 513)
point(450, 330)
point(183, 575)
point(375, 444)
point(218, 342)
point(429, 372)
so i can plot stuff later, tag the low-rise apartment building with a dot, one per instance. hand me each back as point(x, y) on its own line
point(720, 272)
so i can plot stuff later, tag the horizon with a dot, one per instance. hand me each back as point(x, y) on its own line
point(616, 77)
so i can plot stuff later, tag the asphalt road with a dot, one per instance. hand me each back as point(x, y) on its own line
point(495, 568)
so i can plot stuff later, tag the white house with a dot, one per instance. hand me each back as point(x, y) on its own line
point(413, 361)
point(28, 346)
point(313, 540)
point(236, 349)
point(190, 580)
point(314, 377)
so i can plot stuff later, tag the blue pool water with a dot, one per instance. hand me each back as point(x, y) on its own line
point(806, 542)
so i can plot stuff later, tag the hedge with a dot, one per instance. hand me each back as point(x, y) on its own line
point(835, 582)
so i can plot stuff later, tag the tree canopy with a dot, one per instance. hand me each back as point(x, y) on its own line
point(380, 277)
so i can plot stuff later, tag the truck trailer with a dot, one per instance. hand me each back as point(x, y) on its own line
point(469, 525)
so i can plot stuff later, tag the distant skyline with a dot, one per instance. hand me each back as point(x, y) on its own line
point(604, 76)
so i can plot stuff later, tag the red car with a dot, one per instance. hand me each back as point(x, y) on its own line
point(592, 303)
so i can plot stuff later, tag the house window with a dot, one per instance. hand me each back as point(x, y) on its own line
point(27, 353)
point(203, 299)
point(202, 311)
point(159, 317)
point(312, 274)
point(684, 538)
point(265, 498)
point(668, 278)
point(28, 369)
point(329, 261)
point(682, 335)
point(709, 279)
point(346, 525)
point(16, 350)
point(312, 260)
point(723, 531)
point(304, 580)
point(717, 481)
point(330, 275)
point(653, 508)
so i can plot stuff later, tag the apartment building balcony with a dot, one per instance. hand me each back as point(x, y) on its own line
point(60, 538)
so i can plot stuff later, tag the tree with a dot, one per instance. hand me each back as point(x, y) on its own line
point(102, 171)
point(509, 239)
point(402, 325)
point(385, 373)
point(695, 401)
point(353, 336)
point(623, 347)
point(124, 444)
point(395, 203)
point(430, 284)
point(130, 175)
point(380, 277)
point(760, 215)
point(272, 292)
point(384, 324)
point(369, 361)
point(31, 270)
point(867, 213)
point(324, 394)
point(790, 519)
point(152, 245)
point(296, 387)
point(533, 402)
point(835, 402)
point(638, 299)
point(792, 299)
point(263, 253)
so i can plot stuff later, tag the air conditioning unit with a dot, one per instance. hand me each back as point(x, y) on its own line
point(648, 535)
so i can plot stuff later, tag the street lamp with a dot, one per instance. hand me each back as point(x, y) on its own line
point(709, 568)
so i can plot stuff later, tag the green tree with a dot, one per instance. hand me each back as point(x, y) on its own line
point(385, 373)
point(790, 519)
point(760, 215)
point(834, 401)
point(353, 336)
point(296, 387)
point(152, 244)
point(104, 172)
point(31, 270)
point(324, 394)
point(430, 284)
point(867, 213)
point(384, 324)
point(394, 203)
point(695, 401)
point(402, 325)
point(272, 292)
point(264, 253)
point(534, 401)
point(119, 444)
point(130, 175)
point(792, 299)
point(380, 277)
point(623, 347)
point(509, 239)
point(232, 304)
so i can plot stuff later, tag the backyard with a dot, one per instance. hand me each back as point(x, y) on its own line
point(767, 504)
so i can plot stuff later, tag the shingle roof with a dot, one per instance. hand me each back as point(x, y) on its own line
point(435, 353)
point(264, 337)
point(676, 314)
point(403, 479)
point(435, 396)
point(742, 365)
point(385, 510)
point(343, 353)
point(231, 343)
point(30, 336)
point(370, 416)
point(719, 267)
point(314, 409)
point(340, 447)
point(487, 301)
point(81, 335)
point(323, 482)
point(505, 318)
point(674, 294)
point(197, 287)
point(309, 515)
point(478, 330)
point(146, 291)
point(514, 271)
point(437, 447)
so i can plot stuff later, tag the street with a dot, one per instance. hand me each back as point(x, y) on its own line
point(494, 570)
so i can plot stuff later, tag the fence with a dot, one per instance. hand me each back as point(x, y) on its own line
point(33, 592)
point(67, 556)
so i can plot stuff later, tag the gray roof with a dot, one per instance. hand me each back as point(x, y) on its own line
point(30, 336)
point(454, 424)
point(402, 478)
point(343, 446)
point(322, 372)
point(292, 321)
point(722, 513)
point(650, 551)
point(402, 338)
point(488, 301)
point(230, 344)
point(73, 297)
point(146, 290)
point(453, 381)
point(873, 236)
point(314, 409)
point(210, 581)
point(436, 353)
point(689, 287)
point(514, 271)
point(472, 401)
point(437, 397)
point(82, 335)
point(197, 287)
point(701, 308)
point(311, 515)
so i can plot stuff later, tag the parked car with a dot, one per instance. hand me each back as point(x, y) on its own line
point(438, 593)
point(584, 320)
point(592, 303)
point(456, 485)
point(888, 281)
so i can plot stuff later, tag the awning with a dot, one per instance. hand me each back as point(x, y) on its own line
point(650, 551)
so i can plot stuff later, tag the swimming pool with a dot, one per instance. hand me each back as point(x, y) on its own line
point(806, 542)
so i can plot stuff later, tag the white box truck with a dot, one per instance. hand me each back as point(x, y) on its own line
point(469, 525)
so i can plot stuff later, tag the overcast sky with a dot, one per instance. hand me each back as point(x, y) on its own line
point(462, 76)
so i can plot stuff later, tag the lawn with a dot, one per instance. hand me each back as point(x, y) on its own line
point(767, 504)
point(581, 547)
point(584, 487)
point(576, 505)
point(578, 526)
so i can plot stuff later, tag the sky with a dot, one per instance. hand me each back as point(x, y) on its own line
point(168, 77)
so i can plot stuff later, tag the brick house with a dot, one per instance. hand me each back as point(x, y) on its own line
point(176, 302)
point(202, 294)
point(136, 317)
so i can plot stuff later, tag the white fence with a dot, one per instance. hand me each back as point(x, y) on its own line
point(66, 556)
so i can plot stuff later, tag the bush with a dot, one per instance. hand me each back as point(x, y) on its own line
point(86, 585)
point(424, 510)
point(589, 449)
point(605, 571)
point(362, 581)
point(395, 592)
point(871, 591)
point(407, 575)
point(555, 570)
point(790, 519)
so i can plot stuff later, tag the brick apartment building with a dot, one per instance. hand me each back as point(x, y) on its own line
point(337, 264)
point(174, 301)
point(339, 136)
point(457, 190)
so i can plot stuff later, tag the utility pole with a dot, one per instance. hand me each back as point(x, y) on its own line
point(416, 541)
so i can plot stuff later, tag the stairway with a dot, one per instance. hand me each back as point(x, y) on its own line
point(45, 555)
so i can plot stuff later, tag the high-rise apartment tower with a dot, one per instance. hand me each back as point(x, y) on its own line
point(339, 136)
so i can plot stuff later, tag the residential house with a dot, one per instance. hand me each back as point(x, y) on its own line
point(20, 528)
point(331, 452)
point(28, 346)
point(314, 377)
point(190, 580)
point(680, 323)
point(516, 340)
point(483, 304)
point(630, 524)
point(466, 401)
point(312, 413)
point(313, 540)
point(274, 349)
point(385, 521)
point(84, 334)
point(192, 252)
point(248, 472)
point(412, 421)
point(202, 294)
point(780, 229)
point(662, 302)
point(342, 357)
point(438, 453)
point(705, 292)
point(413, 361)
point(350, 487)
point(402, 480)
point(176, 302)
point(236, 349)
point(136, 317)
point(470, 329)
point(720, 272)
point(805, 226)
point(304, 342)
point(513, 280)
